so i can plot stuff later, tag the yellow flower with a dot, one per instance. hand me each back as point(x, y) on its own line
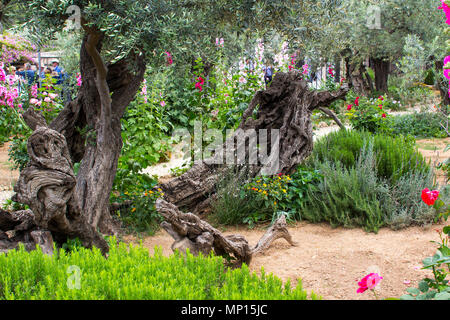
point(284, 190)
point(133, 210)
point(150, 191)
point(264, 185)
point(145, 194)
point(275, 203)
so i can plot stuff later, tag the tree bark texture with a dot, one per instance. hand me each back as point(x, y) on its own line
point(86, 131)
point(381, 67)
point(190, 232)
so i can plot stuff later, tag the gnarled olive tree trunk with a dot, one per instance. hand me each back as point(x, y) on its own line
point(87, 131)
point(287, 106)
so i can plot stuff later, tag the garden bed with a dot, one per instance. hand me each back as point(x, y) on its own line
point(330, 261)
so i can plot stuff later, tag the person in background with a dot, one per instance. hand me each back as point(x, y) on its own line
point(28, 74)
point(268, 74)
point(58, 70)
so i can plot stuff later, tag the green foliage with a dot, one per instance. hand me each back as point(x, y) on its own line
point(437, 288)
point(17, 151)
point(395, 156)
point(410, 93)
point(130, 273)
point(430, 77)
point(419, 125)
point(262, 197)
point(144, 131)
point(133, 192)
point(138, 213)
point(375, 187)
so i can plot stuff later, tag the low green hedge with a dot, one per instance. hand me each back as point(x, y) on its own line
point(130, 273)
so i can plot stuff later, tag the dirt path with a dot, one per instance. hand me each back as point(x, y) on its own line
point(330, 261)
point(7, 176)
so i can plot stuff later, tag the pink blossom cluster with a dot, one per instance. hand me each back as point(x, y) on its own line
point(15, 48)
point(220, 42)
point(8, 93)
point(79, 82)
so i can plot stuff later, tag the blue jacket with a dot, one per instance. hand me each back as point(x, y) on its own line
point(29, 75)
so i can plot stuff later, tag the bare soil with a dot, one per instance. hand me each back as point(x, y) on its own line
point(331, 261)
point(8, 177)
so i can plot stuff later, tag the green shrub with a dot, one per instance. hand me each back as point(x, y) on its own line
point(395, 156)
point(130, 273)
point(419, 125)
point(359, 196)
point(233, 206)
point(347, 197)
point(263, 196)
point(134, 193)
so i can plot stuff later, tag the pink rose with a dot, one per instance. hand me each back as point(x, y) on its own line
point(369, 282)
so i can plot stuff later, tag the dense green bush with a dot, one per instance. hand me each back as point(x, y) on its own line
point(395, 156)
point(130, 273)
point(357, 195)
point(419, 125)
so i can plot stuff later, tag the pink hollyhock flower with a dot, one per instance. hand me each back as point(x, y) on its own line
point(381, 106)
point(11, 79)
point(2, 75)
point(47, 99)
point(163, 103)
point(53, 95)
point(381, 98)
point(383, 115)
point(199, 86)
point(201, 80)
point(34, 101)
point(369, 282)
point(357, 101)
point(169, 58)
point(446, 9)
point(305, 68)
point(349, 107)
point(429, 197)
point(34, 91)
point(222, 42)
point(242, 80)
point(79, 82)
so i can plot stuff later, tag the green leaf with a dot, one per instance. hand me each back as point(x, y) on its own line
point(407, 297)
point(413, 291)
point(447, 230)
point(423, 286)
point(442, 296)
